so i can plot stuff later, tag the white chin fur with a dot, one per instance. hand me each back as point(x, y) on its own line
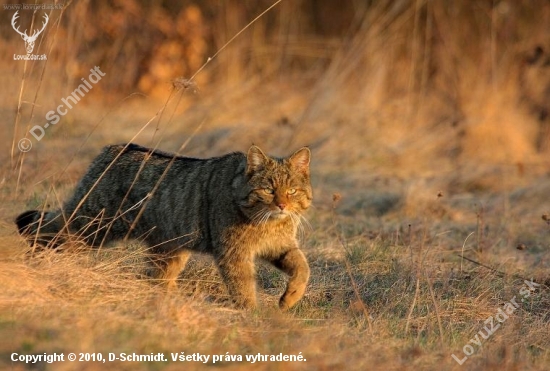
point(278, 215)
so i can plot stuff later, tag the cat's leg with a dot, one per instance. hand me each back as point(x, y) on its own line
point(239, 275)
point(174, 266)
point(293, 262)
point(168, 268)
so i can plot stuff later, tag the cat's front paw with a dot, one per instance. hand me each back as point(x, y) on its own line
point(288, 300)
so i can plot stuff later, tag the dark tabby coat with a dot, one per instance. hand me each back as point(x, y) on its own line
point(235, 207)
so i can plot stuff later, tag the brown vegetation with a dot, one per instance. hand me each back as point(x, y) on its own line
point(428, 127)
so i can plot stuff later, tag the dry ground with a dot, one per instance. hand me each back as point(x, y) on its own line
point(406, 184)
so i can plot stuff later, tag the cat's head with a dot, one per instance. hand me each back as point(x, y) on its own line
point(279, 187)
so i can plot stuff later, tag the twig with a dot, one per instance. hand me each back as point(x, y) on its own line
point(502, 274)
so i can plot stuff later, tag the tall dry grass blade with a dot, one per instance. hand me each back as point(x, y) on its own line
point(413, 304)
point(362, 304)
point(436, 307)
point(233, 38)
point(40, 80)
point(462, 251)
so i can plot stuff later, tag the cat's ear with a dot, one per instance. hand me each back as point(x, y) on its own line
point(300, 160)
point(255, 159)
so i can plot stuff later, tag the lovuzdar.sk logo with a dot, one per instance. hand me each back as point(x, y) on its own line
point(29, 39)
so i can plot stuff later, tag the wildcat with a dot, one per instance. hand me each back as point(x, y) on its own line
point(235, 207)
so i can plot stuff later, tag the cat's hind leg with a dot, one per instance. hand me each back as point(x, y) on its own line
point(166, 269)
point(174, 265)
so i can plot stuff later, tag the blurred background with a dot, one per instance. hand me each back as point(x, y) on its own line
point(445, 79)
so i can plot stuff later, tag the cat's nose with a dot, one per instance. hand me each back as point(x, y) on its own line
point(281, 206)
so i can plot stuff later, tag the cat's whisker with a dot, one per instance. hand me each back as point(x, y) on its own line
point(302, 224)
point(305, 222)
point(260, 217)
point(296, 215)
point(294, 218)
point(266, 217)
point(299, 227)
point(256, 216)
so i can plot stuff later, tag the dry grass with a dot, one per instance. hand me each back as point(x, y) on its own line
point(424, 149)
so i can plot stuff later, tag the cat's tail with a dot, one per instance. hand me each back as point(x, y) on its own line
point(40, 227)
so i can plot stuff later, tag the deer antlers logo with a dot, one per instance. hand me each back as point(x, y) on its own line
point(29, 40)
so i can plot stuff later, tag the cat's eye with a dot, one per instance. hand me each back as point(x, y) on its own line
point(291, 191)
point(269, 191)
